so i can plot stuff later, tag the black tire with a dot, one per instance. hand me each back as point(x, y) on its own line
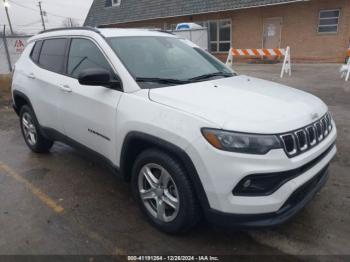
point(189, 212)
point(41, 144)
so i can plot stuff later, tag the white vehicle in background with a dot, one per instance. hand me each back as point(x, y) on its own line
point(188, 26)
point(193, 137)
point(194, 33)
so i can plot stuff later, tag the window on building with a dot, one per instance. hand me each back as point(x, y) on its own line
point(84, 54)
point(52, 55)
point(220, 35)
point(110, 3)
point(328, 21)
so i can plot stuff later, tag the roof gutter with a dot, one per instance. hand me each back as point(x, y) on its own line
point(209, 12)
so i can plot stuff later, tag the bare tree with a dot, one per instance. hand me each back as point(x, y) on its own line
point(70, 22)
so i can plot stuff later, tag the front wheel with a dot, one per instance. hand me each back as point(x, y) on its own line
point(164, 192)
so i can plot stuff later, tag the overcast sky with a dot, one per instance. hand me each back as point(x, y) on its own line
point(25, 15)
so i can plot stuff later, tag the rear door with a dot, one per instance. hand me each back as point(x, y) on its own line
point(46, 77)
point(89, 112)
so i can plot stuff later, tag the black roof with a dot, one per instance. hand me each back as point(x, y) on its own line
point(138, 10)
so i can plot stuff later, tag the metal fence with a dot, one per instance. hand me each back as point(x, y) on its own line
point(11, 48)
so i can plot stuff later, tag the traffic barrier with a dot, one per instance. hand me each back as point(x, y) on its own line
point(345, 70)
point(278, 52)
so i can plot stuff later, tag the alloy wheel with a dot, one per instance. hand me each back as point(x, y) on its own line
point(158, 192)
point(29, 130)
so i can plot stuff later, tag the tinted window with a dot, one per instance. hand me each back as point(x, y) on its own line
point(84, 54)
point(52, 55)
point(34, 55)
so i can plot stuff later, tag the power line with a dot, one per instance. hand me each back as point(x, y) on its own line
point(60, 4)
point(28, 24)
point(50, 13)
point(24, 6)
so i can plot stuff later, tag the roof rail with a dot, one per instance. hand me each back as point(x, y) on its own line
point(162, 31)
point(89, 28)
point(140, 28)
point(106, 26)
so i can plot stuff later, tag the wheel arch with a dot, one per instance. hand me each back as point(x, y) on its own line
point(135, 142)
point(19, 100)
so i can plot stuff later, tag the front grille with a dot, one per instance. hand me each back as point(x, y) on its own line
point(303, 139)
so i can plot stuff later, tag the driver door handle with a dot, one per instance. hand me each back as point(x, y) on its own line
point(31, 76)
point(66, 88)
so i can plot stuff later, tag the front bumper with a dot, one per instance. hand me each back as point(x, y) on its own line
point(295, 203)
point(219, 172)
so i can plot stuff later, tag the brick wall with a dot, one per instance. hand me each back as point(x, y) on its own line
point(299, 29)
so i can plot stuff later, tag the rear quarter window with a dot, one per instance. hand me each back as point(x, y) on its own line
point(52, 55)
point(34, 55)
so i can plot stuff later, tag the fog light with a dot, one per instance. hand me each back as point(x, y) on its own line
point(263, 184)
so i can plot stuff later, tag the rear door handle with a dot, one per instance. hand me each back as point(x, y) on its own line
point(66, 88)
point(31, 76)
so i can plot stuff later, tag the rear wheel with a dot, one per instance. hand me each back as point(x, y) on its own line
point(31, 131)
point(164, 192)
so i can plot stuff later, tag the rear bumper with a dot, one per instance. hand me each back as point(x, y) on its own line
point(294, 204)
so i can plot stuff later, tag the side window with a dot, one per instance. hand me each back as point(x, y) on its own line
point(84, 54)
point(52, 55)
point(34, 55)
point(328, 21)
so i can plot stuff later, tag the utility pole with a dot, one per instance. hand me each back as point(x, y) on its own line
point(6, 5)
point(42, 15)
point(7, 49)
point(70, 22)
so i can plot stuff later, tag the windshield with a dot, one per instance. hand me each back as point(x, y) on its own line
point(161, 61)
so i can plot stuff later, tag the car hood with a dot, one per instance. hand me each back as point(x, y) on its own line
point(244, 104)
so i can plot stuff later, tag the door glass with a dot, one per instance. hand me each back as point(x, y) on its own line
point(84, 54)
point(52, 55)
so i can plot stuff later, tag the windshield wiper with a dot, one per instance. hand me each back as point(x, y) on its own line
point(206, 76)
point(161, 80)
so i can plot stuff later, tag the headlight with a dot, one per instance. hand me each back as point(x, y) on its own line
point(241, 142)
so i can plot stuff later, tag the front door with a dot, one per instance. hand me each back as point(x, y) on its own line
point(89, 112)
point(272, 32)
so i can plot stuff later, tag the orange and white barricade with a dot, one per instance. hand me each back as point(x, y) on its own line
point(345, 69)
point(278, 52)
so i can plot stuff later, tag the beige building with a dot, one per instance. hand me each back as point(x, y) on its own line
point(316, 30)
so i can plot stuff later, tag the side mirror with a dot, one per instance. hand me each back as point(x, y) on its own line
point(98, 77)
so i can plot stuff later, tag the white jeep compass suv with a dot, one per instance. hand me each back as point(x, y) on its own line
point(193, 137)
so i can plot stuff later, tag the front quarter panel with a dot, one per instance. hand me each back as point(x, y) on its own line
point(137, 113)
